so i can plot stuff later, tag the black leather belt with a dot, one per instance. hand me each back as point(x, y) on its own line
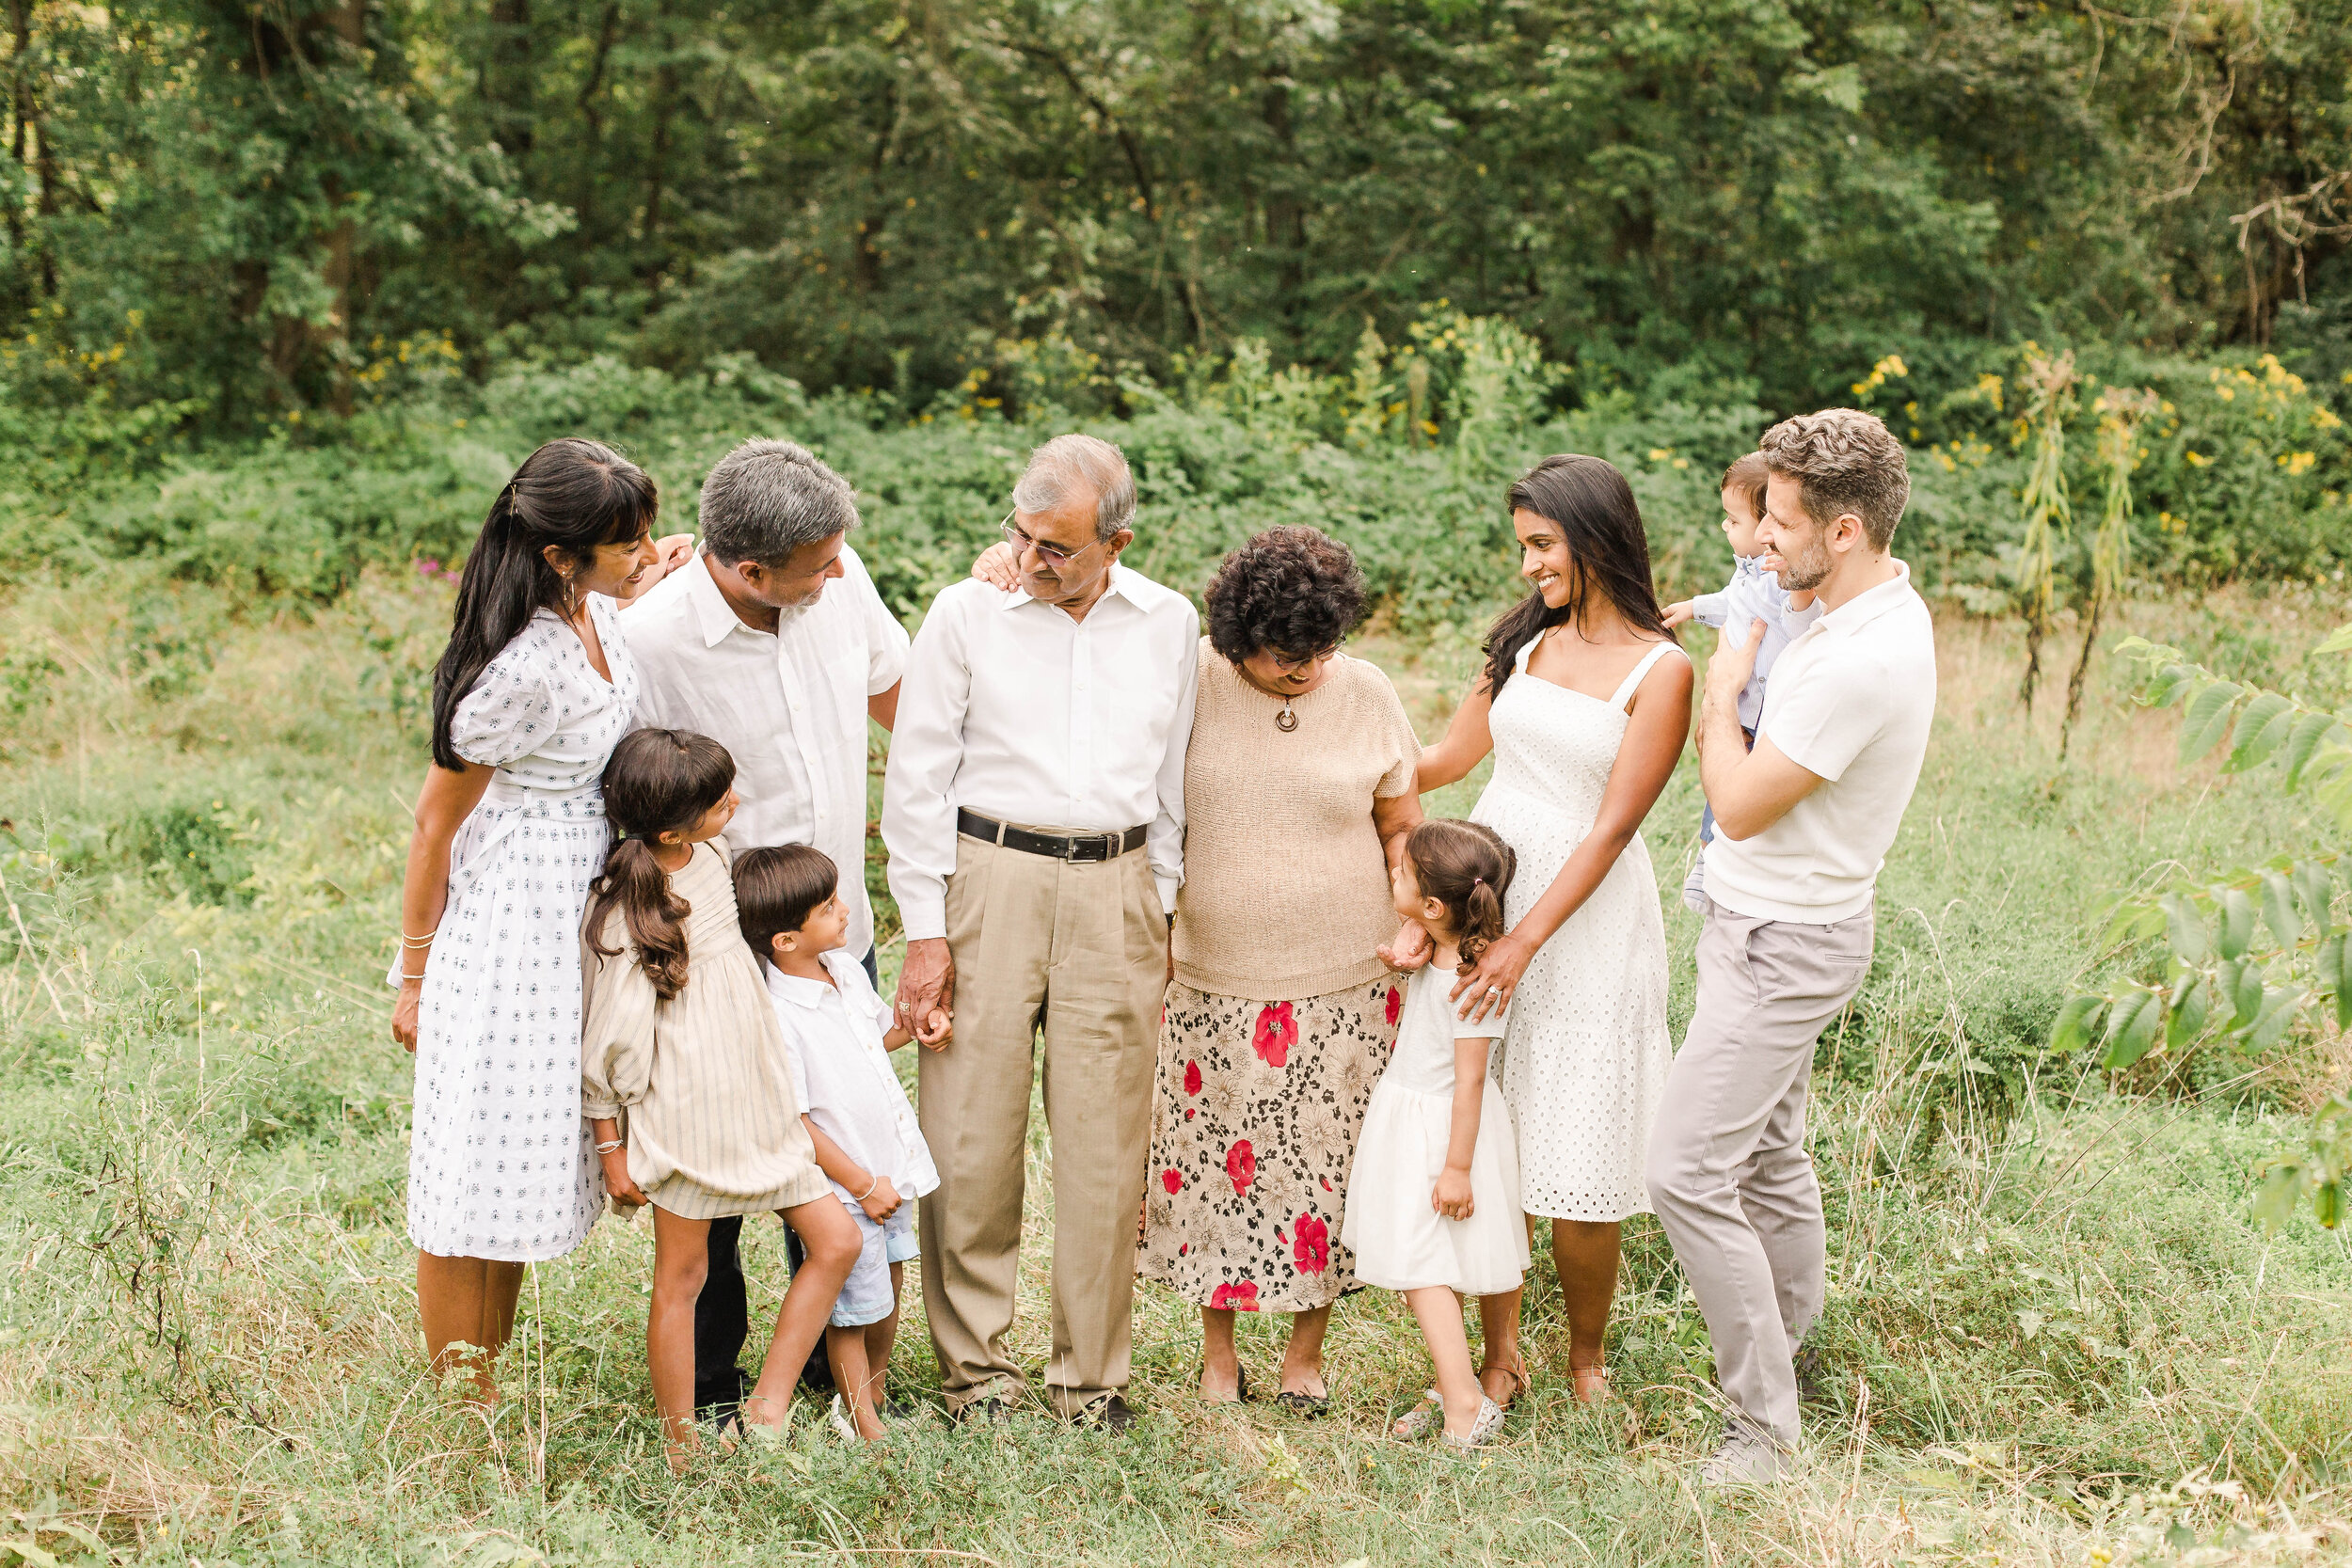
point(1080, 847)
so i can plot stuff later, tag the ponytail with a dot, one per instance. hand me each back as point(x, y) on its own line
point(1468, 868)
point(572, 493)
point(657, 782)
point(656, 917)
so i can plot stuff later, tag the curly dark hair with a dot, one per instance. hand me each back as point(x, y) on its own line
point(1294, 589)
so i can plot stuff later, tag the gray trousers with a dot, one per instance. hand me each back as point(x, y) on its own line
point(1728, 1173)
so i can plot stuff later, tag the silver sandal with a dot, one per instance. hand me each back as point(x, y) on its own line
point(1419, 1422)
point(1482, 1430)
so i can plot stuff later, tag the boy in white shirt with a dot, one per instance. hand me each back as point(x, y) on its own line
point(840, 1034)
point(1752, 595)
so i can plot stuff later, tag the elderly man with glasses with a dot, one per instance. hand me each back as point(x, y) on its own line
point(1034, 812)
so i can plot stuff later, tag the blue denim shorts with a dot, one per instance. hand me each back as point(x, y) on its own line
point(866, 1295)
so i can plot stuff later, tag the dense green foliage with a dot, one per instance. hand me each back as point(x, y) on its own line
point(227, 212)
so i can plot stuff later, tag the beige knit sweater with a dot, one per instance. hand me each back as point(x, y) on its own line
point(1286, 888)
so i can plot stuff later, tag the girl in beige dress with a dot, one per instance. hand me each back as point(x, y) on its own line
point(682, 1045)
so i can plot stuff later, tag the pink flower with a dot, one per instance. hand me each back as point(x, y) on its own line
point(1235, 1298)
point(1312, 1243)
point(1173, 1180)
point(1396, 1005)
point(1277, 1032)
point(1241, 1163)
point(1192, 1077)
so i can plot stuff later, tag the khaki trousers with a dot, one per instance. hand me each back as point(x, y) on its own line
point(1078, 952)
point(1728, 1173)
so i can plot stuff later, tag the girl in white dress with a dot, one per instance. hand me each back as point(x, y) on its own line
point(1432, 1202)
point(531, 695)
point(1585, 701)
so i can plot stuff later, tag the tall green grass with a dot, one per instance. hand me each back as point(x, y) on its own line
point(2052, 1330)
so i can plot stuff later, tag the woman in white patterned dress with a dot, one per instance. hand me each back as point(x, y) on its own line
point(1585, 701)
point(531, 695)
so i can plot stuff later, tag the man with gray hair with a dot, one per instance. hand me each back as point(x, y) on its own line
point(773, 643)
point(1035, 817)
point(1802, 824)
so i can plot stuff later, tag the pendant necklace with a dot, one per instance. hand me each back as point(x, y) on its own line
point(1286, 721)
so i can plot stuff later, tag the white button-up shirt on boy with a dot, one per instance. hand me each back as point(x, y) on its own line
point(789, 705)
point(842, 1072)
point(1013, 711)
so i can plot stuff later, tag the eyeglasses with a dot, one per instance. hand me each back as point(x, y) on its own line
point(1292, 666)
point(1054, 556)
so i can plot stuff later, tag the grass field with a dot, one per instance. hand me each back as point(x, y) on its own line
point(2053, 1336)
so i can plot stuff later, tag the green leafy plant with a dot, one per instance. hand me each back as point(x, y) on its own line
point(2253, 953)
point(2048, 513)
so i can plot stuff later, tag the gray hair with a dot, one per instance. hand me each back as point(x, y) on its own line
point(1067, 463)
point(767, 499)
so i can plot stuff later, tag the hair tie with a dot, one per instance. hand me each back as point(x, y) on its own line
point(1478, 882)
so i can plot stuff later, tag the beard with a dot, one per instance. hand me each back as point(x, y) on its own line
point(1806, 566)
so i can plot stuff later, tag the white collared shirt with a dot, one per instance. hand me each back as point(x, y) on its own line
point(789, 705)
point(833, 1036)
point(1851, 700)
point(1016, 711)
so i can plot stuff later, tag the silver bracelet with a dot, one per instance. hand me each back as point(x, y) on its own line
point(870, 1191)
point(612, 1147)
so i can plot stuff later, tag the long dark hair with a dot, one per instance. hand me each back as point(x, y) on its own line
point(657, 780)
point(1594, 508)
point(1467, 867)
point(571, 493)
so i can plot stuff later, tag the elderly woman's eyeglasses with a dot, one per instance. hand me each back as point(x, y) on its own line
point(1054, 556)
point(1290, 666)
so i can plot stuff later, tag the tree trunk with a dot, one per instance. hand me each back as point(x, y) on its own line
point(507, 88)
point(350, 22)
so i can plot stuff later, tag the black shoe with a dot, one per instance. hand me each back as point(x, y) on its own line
point(1303, 1405)
point(1111, 1416)
point(1241, 1386)
point(991, 1410)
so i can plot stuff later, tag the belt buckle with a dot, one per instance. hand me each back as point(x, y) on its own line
point(1088, 849)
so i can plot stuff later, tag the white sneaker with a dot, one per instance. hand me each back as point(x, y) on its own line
point(1746, 1457)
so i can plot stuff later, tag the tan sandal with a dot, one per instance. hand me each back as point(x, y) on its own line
point(1516, 1372)
point(1588, 1385)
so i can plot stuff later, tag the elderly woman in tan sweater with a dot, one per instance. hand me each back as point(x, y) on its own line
point(1298, 793)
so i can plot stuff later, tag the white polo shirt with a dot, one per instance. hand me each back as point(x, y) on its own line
point(789, 705)
point(1852, 700)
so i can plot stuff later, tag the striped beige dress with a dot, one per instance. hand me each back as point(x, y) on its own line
point(701, 1081)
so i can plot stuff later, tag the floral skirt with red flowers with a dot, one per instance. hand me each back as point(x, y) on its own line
point(1253, 1131)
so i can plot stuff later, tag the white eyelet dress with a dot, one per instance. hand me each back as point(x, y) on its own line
point(500, 1163)
point(1583, 1062)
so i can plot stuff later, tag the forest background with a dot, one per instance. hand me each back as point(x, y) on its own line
point(288, 288)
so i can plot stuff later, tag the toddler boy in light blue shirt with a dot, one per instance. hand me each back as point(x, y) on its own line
point(1752, 595)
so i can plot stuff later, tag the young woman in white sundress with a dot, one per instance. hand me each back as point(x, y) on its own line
point(1585, 701)
point(531, 695)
